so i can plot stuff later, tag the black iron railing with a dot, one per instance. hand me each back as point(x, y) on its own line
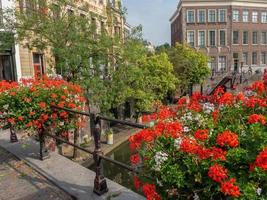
point(100, 184)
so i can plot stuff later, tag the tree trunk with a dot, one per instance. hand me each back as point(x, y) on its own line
point(120, 112)
point(76, 142)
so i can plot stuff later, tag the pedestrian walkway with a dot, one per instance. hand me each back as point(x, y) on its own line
point(71, 177)
point(18, 181)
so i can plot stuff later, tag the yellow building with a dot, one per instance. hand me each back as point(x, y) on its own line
point(19, 61)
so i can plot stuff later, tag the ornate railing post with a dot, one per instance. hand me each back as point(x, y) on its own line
point(100, 183)
point(13, 135)
point(44, 153)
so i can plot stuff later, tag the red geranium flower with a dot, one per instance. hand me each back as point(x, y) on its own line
point(228, 188)
point(218, 154)
point(137, 183)
point(215, 115)
point(217, 173)
point(11, 121)
point(201, 134)
point(150, 192)
point(261, 160)
point(21, 118)
point(227, 138)
point(42, 105)
point(53, 96)
point(135, 160)
point(12, 94)
point(255, 118)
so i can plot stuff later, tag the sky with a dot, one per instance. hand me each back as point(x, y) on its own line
point(154, 15)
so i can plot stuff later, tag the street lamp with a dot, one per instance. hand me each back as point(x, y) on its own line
point(241, 76)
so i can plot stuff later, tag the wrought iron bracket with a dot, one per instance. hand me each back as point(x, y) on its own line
point(13, 135)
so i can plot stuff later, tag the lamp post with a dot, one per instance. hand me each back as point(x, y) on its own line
point(241, 76)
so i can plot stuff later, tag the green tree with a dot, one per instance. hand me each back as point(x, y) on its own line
point(164, 48)
point(190, 66)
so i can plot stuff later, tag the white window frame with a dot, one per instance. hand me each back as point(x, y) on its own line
point(252, 58)
point(187, 11)
point(244, 15)
point(233, 17)
point(204, 15)
point(218, 64)
point(253, 17)
point(262, 21)
point(238, 37)
point(252, 38)
point(261, 42)
point(209, 15)
point(245, 63)
point(225, 16)
point(265, 58)
point(215, 37)
point(187, 32)
point(243, 37)
point(205, 40)
point(219, 36)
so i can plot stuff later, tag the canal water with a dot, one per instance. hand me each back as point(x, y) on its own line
point(116, 173)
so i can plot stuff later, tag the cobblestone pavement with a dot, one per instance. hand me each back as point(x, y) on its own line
point(18, 181)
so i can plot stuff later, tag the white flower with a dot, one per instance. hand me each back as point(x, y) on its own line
point(160, 157)
point(187, 117)
point(221, 107)
point(249, 93)
point(196, 197)
point(259, 191)
point(243, 133)
point(6, 106)
point(178, 142)
point(186, 129)
point(208, 108)
point(61, 124)
point(159, 183)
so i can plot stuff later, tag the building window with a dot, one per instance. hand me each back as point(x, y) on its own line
point(191, 38)
point(222, 38)
point(201, 16)
point(245, 58)
point(255, 37)
point(235, 15)
point(212, 16)
point(201, 39)
point(212, 64)
point(235, 37)
point(222, 63)
point(190, 16)
point(245, 37)
point(264, 17)
point(222, 15)
point(254, 58)
point(212, 38)
point(264, 38)
point(254, 17)
point(245, 15)
point(263, 58)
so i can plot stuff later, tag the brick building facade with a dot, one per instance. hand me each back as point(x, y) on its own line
point(233, 33)
point(19, 62)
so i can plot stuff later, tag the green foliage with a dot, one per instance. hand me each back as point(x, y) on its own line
point(189, 65)
point(110, 70)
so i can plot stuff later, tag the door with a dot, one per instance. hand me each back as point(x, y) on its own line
point(6, 68)
point(38, 65)
point(236, 65)
point(236, 61)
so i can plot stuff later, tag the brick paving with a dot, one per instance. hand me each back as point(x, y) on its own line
point(18, 181)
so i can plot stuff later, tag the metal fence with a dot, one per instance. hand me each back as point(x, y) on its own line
point(100, 184)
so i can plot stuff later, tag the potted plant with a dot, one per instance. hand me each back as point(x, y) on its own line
point(109, 136)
